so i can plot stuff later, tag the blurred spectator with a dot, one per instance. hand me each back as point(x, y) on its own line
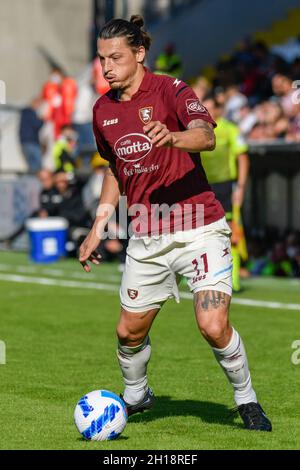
point(271, 124)
point(278, 263)
point(243, 54)
point(92, 189)
point(101, 85)
point(169, 62)
point(83, 114)
point(47, 144)
point(234, 101)
point(219, 95)
point(246, 119)
point(48, 203)
point(30, 125)
point(201, 88)
point(293, 134)
point(49, 197)
point(70, 204)
point(71, 207)
point(60, 93)
point(64, 150)
point(282, 88)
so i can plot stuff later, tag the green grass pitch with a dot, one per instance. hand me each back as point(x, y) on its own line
point(60, 344)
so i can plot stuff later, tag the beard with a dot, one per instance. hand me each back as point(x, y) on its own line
point(120, 85)
point(116, 86)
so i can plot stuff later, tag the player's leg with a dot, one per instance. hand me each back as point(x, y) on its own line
point(146, 285)
point(134, 352)
point(207, 263)
point(212, 314)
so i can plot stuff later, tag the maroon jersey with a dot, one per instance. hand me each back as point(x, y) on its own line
point(148, 175)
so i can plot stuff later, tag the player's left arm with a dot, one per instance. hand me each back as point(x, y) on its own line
point(198, 137)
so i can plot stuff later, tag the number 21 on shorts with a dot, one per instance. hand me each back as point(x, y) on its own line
point(201, 264)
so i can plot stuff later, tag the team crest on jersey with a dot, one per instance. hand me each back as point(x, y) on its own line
point(132, 293)
point(195, 107)
point(145, 114)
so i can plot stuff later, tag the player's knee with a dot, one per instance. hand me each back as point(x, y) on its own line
point(128, 336)
point(214, 331)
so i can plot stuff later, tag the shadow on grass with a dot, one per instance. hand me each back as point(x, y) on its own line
point(120, 438)
point(208, 412)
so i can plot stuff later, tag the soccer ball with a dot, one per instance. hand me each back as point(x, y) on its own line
point(100, 415)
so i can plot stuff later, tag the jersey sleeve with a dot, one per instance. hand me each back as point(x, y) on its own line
point(186, 104)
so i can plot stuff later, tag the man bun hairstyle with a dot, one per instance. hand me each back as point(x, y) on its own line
point(131, 30)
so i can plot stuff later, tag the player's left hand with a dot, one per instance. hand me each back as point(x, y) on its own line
point(159, 134)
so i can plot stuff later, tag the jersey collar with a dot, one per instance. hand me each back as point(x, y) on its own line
point(146, 82)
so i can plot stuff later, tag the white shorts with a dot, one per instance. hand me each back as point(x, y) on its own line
point(155, 265)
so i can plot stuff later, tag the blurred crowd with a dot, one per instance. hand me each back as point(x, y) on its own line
point(56, 127)
point(275, 255)
point(258, 90)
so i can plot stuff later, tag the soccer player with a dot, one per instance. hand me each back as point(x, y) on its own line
point(151, 129)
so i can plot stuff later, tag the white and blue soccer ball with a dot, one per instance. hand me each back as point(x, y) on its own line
point(100, 415)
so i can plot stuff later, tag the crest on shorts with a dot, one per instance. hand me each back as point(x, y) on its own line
point(145, 114)
point(132, 293)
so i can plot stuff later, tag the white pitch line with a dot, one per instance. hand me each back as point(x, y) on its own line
point(57, 272)
point(254, 303)
point(47, 281)
point(114, 288)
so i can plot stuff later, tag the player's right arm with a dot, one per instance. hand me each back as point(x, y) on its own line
point(109, 199)
point(108, 202)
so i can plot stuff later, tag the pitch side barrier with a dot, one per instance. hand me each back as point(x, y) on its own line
point(273, 193)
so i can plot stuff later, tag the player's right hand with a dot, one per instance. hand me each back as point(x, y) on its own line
point(87, 251)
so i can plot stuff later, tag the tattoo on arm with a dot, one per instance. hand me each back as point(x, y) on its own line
point(205, 126)
point(211, 300)
point(200, 124)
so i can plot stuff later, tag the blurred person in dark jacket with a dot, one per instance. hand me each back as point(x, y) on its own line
point(70, 204)
point(71, 207)
point(30, 125)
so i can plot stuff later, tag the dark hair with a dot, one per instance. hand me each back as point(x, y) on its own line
point(132, 30)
